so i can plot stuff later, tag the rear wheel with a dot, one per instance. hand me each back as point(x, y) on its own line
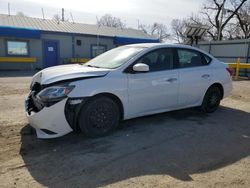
point(211, 100)
point(99, 116)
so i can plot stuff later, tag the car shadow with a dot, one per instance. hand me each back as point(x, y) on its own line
point(177, 144)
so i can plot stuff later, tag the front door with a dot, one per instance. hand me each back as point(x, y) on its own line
point(51, 55)
point(156, 90)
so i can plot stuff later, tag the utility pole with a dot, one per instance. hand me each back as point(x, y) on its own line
point(221, 20)
point(9, 9)
point(98, 36)
point(43, 13)
point(63, 14)
point(72, 18)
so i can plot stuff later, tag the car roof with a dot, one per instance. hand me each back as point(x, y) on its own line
point(155, 45)
point(149, 45)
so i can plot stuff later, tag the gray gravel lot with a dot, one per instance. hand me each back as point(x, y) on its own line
point(178, 149)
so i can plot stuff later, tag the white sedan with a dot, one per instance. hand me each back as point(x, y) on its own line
point(124, 83)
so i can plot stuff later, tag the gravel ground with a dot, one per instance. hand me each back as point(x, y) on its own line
point(178, 149)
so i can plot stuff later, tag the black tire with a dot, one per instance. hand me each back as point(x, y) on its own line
point(212, 99)
point(98, 117)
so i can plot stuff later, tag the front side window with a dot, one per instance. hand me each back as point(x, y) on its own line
point(97, 50)
point(158, 60)
point(18, 48)
point(190, 58)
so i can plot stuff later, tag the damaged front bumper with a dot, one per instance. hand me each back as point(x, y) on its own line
point(49, 122)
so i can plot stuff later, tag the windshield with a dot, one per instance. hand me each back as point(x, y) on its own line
point(114, 58)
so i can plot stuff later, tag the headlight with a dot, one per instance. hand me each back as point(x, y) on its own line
point(54, 93)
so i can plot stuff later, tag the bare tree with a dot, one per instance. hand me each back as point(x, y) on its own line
point(111, 21)
point(144, 28)
point(57, 18)
point(228, 19)
point(243, 18)
point(178, 28)
point(214, 11)
point(158, 30)
point(232, 31)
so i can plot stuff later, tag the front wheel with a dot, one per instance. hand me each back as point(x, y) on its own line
point(98, 117)
point(212, 99)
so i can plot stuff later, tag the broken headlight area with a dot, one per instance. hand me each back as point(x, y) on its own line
point(47, 97)
point(54, 93)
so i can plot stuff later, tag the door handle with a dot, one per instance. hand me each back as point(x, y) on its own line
point(206, 76)
point(171, 80)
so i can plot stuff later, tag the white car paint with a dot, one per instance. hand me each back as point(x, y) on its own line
point(193, 84)
point(65, 72)
point(54, 121)
point(151, 92)
point(140, 94)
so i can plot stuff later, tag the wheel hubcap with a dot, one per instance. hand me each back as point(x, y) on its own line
point(213, 100)
point(101, 117)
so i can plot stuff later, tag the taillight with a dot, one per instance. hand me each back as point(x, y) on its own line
point(230, 71)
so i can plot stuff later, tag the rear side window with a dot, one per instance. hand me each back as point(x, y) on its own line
point(190, 58)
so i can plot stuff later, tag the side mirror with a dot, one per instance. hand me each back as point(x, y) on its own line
point(140, 67)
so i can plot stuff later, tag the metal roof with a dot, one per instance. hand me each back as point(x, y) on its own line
point(68, 27)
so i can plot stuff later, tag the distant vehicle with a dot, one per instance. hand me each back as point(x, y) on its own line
point(124, 83)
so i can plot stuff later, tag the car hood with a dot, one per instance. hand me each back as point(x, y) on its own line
point(67, 72)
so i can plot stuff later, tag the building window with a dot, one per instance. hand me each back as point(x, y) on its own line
point(78, 42)
point(97, 50)
point(17, 48)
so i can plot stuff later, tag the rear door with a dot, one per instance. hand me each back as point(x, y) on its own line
point(156, 90)
point(195, 76)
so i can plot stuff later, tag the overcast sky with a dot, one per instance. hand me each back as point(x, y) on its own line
point(86, 11)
